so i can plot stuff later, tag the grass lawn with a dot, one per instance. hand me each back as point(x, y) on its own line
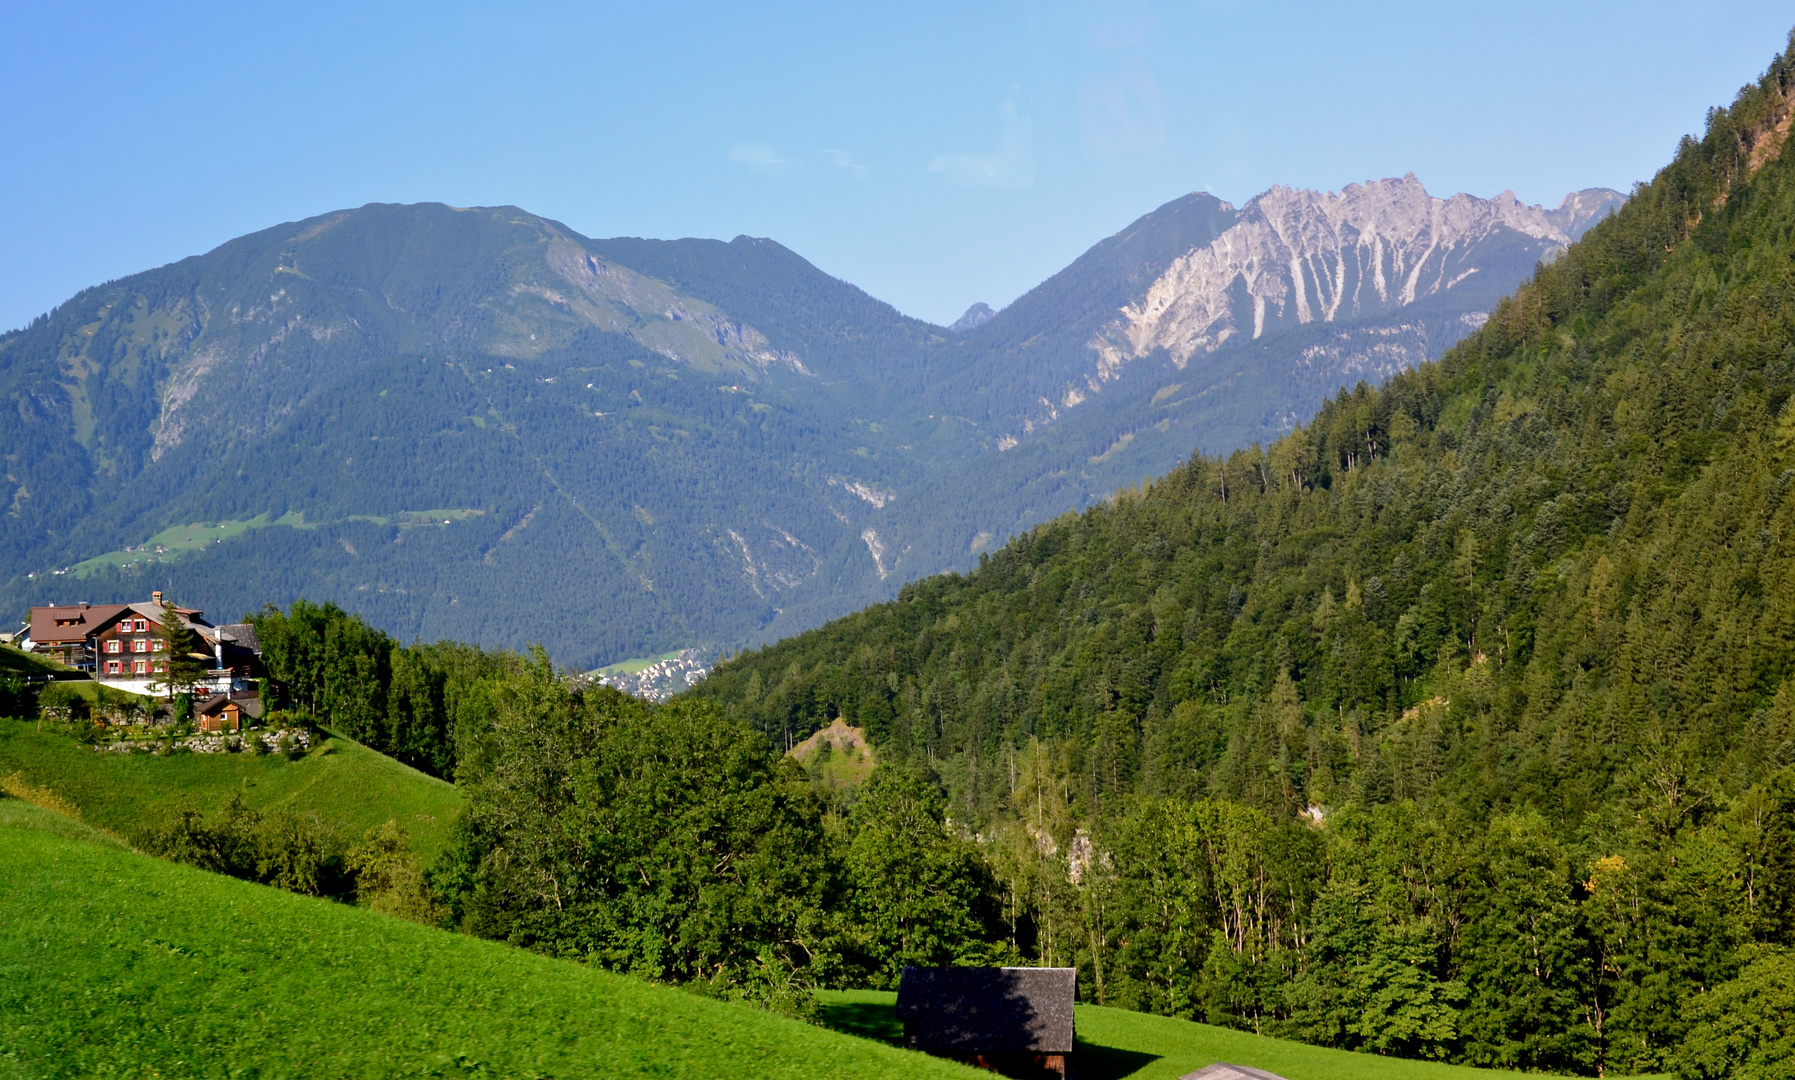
point(1116, 1043)
point(90, 689)
point(118, 964)
point(347, 785)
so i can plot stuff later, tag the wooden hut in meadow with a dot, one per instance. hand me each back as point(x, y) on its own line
point(1014, 1021)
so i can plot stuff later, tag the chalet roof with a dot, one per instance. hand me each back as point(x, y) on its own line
point(68, 623)
point(240, 634)
point(84, 619)
point(154, 611)
point(213, 705)
point(988, 1009)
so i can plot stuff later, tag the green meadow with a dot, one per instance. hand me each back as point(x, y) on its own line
point(347, 786)
point(114, 963)
point(630, 667)
point(178, 540)
point(1116, 1043)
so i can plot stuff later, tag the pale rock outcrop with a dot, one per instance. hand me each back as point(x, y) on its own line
point(1296, 257)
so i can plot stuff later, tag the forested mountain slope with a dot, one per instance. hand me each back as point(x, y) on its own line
point(1480, 681)
point(457, 420)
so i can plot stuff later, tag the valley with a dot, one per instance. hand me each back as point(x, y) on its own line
point(1346, 634)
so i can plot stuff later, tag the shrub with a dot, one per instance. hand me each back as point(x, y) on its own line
point(283, 849)
point(387, 877)
point(63, 702)
point(17, 697)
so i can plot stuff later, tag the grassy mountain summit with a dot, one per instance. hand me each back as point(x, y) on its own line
point(1489, 663)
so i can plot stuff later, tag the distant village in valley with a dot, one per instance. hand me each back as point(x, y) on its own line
point(659, 679)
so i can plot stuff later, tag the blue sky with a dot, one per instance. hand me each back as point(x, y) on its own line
point(935, 154)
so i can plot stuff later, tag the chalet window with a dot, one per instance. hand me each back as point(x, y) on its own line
point(114, 646)
point(142, 625)
point(156, 645)
point(159, 667)
point(140, 645)
point(114, 667)
point(141, 667)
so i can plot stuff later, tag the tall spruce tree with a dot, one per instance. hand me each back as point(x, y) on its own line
point(188, 659)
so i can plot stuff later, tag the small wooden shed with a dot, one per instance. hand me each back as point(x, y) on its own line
point(1014, 1021)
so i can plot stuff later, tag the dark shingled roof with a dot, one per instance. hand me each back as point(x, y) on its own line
point(988, 1009)
point(243, 634)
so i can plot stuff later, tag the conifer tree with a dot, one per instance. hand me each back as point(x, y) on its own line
point(188, 660)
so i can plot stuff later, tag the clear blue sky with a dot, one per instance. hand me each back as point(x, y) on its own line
point(935, 154)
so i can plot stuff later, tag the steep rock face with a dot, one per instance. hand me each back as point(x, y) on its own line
point(1582, 209)
point(1231, 325)
point(1297, 257)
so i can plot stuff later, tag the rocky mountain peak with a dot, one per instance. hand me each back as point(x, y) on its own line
point(1296, 256)
point(1582, 210)
point(977, 315)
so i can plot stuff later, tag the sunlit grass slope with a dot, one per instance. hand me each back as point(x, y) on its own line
point(24, 663)
point(1116, 1043)
point(630, 667)
point(348, 786)
point(119, 964)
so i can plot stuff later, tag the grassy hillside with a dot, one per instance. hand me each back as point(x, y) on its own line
point(116, 963)
point(347, 785)
point(1116, 1043)
point(17, 660)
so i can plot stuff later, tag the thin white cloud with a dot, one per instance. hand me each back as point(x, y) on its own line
point(760, 158)
point(1010, 165)
point(844, 160)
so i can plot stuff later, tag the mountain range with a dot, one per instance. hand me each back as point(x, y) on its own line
point(477, 423)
